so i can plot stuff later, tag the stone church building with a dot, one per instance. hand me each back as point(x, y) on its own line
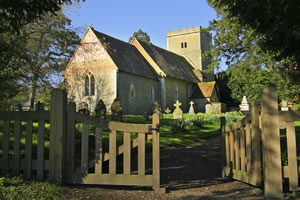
point(138, 73)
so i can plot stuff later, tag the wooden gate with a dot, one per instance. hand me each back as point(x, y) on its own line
point(64, 164)
point(90, 171)
point(252, 148)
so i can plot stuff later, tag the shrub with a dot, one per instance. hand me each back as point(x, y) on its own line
point(181, 125)
point(233, 116)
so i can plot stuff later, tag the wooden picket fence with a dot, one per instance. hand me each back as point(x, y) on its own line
point(59, 166)
point(251, 148)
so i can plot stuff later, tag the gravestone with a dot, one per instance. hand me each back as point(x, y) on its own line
point(191, 110)
point(177, 114)
point(244, 105)
point(84, 108)
point(156, 108)
point(208, 109)
point(168, 110)
point(284, 106)
point(38, 106)
point(146, 116)
point(116, 111)
point(20, 107)
point(100, 110)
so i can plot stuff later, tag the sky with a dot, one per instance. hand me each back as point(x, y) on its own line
point(121, 18)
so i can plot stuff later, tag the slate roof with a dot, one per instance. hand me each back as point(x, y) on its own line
point(126, 56)
point(171, 64)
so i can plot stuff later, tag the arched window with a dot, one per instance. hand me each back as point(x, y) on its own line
point(92, 86)
point(131, 91)
point(176, 93)
point(151, 94)
point(87, 86)
point(185, 45)
point(181, 44)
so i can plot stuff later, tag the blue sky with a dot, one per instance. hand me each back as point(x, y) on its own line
point(120, 18)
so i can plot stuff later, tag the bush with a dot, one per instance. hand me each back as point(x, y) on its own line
point(181, 125)
point(232, 117)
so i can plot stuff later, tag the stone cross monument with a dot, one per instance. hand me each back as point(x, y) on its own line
point(177, 114)
point(191, 110)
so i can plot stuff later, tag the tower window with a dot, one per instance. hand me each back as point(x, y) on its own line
point(183, 45)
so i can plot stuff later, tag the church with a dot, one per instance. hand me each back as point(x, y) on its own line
point(138, 73)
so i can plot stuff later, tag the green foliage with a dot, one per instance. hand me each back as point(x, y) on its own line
point(15, 13)
point(140, 35)
point(15, 187)
point(274, 24)
point(250, 67)
point(36, 56)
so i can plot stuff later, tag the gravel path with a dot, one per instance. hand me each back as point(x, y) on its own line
point(187, 173)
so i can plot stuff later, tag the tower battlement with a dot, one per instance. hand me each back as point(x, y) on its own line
point(190, 30)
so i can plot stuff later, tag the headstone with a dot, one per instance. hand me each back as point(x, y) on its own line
point(100, 110)
point(42, 107)
point(20, 107)
point(191, 110)
point(84, 108)
point(168, 110)
point(116, 111)
point(177, 114)
point(284, 106)
point(244, 105)
point(208, 109)
point(156, 108)
point(146, 116)
point(38, 106)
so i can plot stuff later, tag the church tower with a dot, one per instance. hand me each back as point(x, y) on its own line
point(191, 43)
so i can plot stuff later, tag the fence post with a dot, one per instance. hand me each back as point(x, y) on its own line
point(156, 153)
point(256, 144)
point(70, 142)
point(222, 150)
point(271, 144)
point(58, 121)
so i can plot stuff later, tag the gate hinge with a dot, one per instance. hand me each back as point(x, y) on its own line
point(153, 129)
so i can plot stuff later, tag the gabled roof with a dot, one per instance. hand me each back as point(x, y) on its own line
point(126, 57)
point(173, 65)
point(206, 88)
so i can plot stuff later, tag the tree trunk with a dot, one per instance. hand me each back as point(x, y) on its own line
point(32, 95)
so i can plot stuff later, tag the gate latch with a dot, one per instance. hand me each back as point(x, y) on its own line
point(153, 129)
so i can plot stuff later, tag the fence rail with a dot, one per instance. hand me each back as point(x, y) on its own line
point(243, 161)
point(60, 166)
point(245, 141)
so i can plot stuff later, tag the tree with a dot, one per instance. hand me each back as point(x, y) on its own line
point(275, 22)
point(16, 13)
point(250, 66)
point(42, 51)
point(140, 35)
point(50, 44)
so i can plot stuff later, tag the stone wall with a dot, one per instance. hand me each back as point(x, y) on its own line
point(91, 58)
point(140, 100)
point(184, 91)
